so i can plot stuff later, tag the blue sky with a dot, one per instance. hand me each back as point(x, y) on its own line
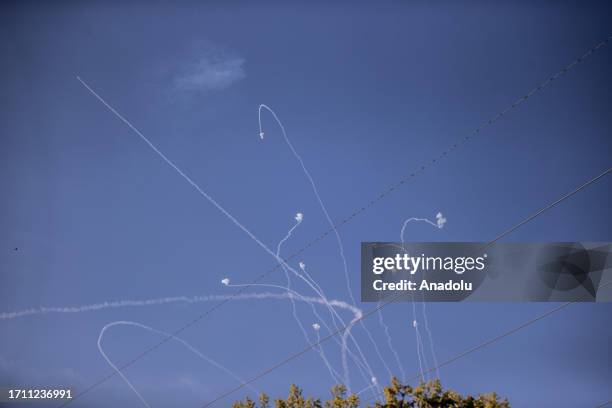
point(367, 93)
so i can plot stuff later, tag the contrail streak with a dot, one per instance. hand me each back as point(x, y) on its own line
point(332, 226)
point(94, 307)
point(440, 222)
point(431, 342)
point(179, 171)
point(419, 343)
point(316, 326)
point(336, 377)
point(166, 334)
point(315, 191)
point(390, 343)
point(298, 220)
point(321, 299)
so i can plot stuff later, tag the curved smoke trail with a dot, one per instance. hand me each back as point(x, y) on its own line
point(334, 374)
point(440, 222)
point(356, 315)
point(168, 335)
point(331, 224)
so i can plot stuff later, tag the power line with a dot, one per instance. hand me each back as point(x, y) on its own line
point(551, 205)
point(506, 334)
point(358, 211)
point(398, 296)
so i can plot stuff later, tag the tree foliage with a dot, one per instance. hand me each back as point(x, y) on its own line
point(396, 395)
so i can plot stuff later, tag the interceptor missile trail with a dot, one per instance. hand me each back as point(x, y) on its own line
point(440, 222)
point(116, 304)
point(168, 335)
point(331, 224)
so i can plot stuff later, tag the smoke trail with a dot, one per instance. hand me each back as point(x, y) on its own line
point(168, 300)
point(334, 374)
point(298, 220)
point(330, 222)
point(418, 347)
point(440, 222)
point(329, 304)
point(390, 343)
point(314, 189)
point(431, 342)
point(114, 367)
point(168, 335)
point(343, 345)
point(315, 326)
point(374, 384)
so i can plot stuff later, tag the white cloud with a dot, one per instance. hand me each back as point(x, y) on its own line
point(212, 69)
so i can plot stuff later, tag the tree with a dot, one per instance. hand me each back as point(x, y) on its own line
point(397, 395)
point(340, 400)
point(432, 395)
